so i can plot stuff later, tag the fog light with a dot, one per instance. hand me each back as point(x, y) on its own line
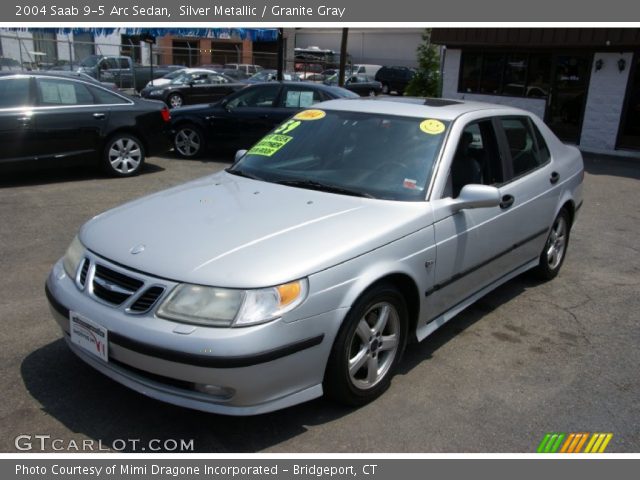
point(223, 393)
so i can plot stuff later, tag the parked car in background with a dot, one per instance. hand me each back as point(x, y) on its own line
point(193, 87)
point(123, 71)
point(243, 67)
point(51, 119)
point(271, 75)
point(306, 267)
point(394, 79)
point(237, 75)
point(165, 80)
point(363, 85)
point(242, 118)
point(364, 69)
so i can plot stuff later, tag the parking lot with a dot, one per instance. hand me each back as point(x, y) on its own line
point(527, 359)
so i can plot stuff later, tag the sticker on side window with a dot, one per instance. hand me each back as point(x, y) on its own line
point(270, 145)
point(432, 127)
point(310, 115)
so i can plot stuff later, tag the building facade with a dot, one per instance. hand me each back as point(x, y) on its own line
point(584, 82)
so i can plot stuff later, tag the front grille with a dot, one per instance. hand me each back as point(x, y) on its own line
point(147, 299)
point(113, 287)
point(83, 271)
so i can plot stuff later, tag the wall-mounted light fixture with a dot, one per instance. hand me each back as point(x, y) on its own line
point(599, 64)
point(622, 63)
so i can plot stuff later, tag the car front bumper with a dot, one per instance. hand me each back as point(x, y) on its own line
point(261, 368)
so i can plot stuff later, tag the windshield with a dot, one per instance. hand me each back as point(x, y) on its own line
point(174, 74)
point(90, 61)
point(364, 154)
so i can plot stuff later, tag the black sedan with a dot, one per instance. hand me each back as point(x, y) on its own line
point(242, 118)
point(54, 120)
point(193, 87)
point(361, 84)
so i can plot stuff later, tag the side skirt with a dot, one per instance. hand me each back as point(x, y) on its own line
point(426, 329)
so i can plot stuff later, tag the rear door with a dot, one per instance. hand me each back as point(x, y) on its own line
point(17, 119)
point(247, 115)
point(69, 124)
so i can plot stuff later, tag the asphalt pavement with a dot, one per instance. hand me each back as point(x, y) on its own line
point(527, 359)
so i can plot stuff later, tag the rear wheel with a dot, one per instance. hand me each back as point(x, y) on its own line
point(372, 93)
point(385, 89)
point(368, 347)
point(555, 248)
point(123, 155)
point(188, 141)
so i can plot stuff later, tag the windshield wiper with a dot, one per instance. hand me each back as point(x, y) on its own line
point(324, 187)
point(242, 173)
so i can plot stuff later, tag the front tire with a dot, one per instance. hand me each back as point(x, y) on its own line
point(368, 347)
point(123, 155)
point(188, 141)
point(385, 89)
point(555, 248)
point(175, 100)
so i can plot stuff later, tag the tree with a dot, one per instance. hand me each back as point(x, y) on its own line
point(426, 81)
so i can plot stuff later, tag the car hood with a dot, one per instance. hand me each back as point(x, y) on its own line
point(229, 231)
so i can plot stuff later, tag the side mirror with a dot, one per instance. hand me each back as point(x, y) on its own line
point(239, 155)
point(477, 196)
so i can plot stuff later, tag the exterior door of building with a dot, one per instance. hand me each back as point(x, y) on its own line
point(629, 135)
point(568, 95)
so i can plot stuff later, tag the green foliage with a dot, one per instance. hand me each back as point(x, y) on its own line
point(426, 81)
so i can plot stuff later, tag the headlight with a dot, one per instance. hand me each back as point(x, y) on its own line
point(73, 257)
point(222, 307)
point(155, 93)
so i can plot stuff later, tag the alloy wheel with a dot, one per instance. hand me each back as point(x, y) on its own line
point(125, 156)
point(557, 242)
point(187, 142)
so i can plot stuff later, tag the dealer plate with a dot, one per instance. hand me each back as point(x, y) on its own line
point(89, 336)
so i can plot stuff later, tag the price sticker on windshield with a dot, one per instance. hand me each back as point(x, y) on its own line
point(432, 127)
point(270, 145)
point(310, 115)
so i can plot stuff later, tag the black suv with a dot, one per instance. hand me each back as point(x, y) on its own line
point(54, 119)
point(394, 79)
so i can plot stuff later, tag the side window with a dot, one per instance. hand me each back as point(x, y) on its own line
point(53, 92)
point(14, 92)
point(123, 63)
point(109, 64)
point(200, 79)
point(301, 98)
point(543, 150)
point(262, 96)
point(103, 97)
point(217, 79)
point(522, 146)
point(477, 159)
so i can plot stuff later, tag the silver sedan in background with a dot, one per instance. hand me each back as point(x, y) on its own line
point(306, 267)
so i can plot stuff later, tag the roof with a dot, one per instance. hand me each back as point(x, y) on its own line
point(443, 109)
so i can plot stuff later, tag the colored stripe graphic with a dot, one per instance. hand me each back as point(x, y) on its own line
point(555, 442)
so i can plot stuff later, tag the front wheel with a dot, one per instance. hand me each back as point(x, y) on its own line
point(368, 347)
point(175, 100)
point(372, 93)
point(385, 89)
point(555, 248)
point(123, 155)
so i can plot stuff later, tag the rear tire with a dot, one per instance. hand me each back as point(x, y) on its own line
point(368, 347)
point(189, 141)
point(555, 248)
point(385, 89)
point(123, 155)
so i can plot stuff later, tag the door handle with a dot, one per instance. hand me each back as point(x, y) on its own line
point(507, 201)
point(99, 116)
point(555, 176)
point(266, 115)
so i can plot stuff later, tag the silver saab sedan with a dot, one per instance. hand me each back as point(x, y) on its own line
point(306, 267)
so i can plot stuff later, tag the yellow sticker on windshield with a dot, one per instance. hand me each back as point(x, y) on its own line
point(310, 115)
point(432, 127)
point(287, 126)
point(269, 145)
